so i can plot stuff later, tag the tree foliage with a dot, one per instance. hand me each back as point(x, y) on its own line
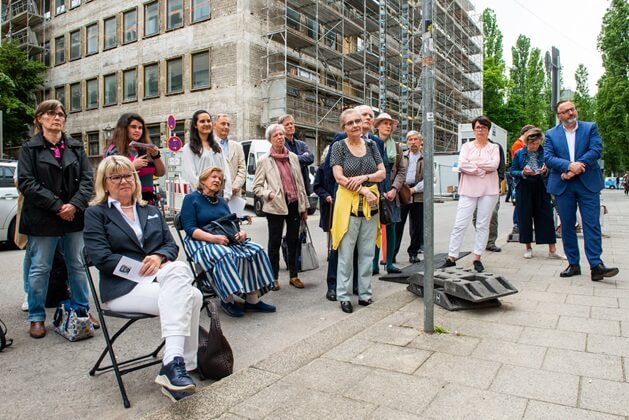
point(612, 103)
point(582, 99)
point(19, 79)
point(494, 80)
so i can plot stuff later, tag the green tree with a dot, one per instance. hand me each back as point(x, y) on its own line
point(494, 80)
point(612, 103)
point(582, 99)
point(19, 79)
point(534, 89)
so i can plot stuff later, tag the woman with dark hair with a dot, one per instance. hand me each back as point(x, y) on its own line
point(146, 160)
point(55, 178)
point(202, 152)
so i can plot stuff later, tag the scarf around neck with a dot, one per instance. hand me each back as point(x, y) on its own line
point(283, 165)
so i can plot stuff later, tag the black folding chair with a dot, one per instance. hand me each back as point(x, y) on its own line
point(126, 366)
point(202, 278)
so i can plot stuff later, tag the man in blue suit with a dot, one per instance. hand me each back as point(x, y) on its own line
point(571, 151)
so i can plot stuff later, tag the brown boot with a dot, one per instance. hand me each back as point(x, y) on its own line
point(276, 285)
point(295, 282)
point(38, 330)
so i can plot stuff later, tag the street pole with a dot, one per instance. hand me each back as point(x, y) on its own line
point(428, 133)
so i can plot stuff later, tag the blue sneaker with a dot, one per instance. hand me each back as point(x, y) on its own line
point(175, 395)
point(232, 309)
point(259, 307)
point(175, 377)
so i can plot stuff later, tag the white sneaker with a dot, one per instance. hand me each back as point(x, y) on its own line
point(556, 256)
point(25, 303)
point(528, 254)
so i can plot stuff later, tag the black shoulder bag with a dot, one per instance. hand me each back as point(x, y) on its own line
point(4, 341)
point(227, 225)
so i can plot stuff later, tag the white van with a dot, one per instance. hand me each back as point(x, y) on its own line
point(254, 150)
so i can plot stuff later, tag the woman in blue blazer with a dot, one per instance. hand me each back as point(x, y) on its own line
point(120, 224)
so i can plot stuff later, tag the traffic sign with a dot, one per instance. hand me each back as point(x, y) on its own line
point(172, 122)
point(175, 144)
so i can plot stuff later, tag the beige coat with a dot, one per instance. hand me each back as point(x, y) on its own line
point(267, 180)
point(237, 166)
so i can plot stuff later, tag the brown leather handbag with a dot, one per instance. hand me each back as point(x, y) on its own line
point(405, 194)
point(215, 359)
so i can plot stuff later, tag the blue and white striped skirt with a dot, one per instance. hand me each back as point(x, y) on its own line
point(234, 269)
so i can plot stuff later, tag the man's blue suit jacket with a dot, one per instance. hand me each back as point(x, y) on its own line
point(588, 149)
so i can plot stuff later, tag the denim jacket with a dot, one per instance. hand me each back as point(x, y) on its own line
point(519, 162)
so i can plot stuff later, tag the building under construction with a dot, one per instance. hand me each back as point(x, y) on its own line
point(254, 60)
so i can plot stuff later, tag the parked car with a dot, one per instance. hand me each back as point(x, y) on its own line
point(610, 182)
point(8, 201)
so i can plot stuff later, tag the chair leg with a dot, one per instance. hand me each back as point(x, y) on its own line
point(114, 363)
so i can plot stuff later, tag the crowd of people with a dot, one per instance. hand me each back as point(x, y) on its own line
point(363, 174)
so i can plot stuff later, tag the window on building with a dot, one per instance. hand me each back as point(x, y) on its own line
point(180, 130)
point(155, 134)
point(75, 97)
point(130, 85)
point(60, 7)
point(91, 94)
point(151, 80)
point(60, 94)
point(77, 136)
point(110, 89)
point(46, 8)
point(174, 72)
point(330, 39)
point(110, 33)
point(60, 50)
point(47, 53)
point(93, 144)
point(74, 3)
point(174, 11)
point(75, 44)
point(312, 26)
point(130, 24)
point(91, 38)
point(200, 70)
point(151, 18)
point(200, 10)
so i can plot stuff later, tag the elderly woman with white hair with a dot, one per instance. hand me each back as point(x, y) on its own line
point(278, 181)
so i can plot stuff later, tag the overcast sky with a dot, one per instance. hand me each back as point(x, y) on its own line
point(572, 26)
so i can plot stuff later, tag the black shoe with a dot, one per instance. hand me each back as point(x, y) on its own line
point(572, 270)
point(601, 271)
point(346, 306)
point(414, 259)
point(393, 270)
point(478, 266)
point(331, 295)
point(449, 263)
point(493, 248)
point(394, 260)
point(365, 302)
point(175, 377)
point(260, 307)
point(232, 309)
point(375, 271)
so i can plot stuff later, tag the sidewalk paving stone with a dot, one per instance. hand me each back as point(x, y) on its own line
point(510, 353)
point(607, 302)
point(545, 296)
point(618, 346)
point(586, 325)
point(610, 314)
point(446, 343)
point(605, 396)
point(395, 358)
point(386, 413)
point(572, 290)
point(626, 369)
point(328, 375)
point(485, 329)
point(389, 334)
point(460, 402)
point(349, 349)
point(588, 365)
point(553, 338)
point(612, 292)
point(466, 370)
point(514, 316)
point(538, 410)
point(624, 328)
point(537, 384)
point(563, 309)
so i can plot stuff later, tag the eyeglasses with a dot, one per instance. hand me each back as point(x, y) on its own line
point(351, 123)
point(53, 114)
point(117, 179)
point(566, 111)
point(481, 127)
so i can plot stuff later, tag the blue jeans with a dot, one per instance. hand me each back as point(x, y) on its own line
point(42, 251)
point(26, 266)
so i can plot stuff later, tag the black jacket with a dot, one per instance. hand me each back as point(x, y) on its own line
point(47, 185)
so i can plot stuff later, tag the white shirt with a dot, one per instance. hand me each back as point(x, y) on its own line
point(134, 224)
point(571, 136)
point(193, 166)
point(413, 158)
point(224, 143)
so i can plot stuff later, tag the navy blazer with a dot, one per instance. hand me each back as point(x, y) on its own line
point(588, 149)
point(108, 237)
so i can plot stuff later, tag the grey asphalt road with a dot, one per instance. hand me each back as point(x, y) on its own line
point(48, 378)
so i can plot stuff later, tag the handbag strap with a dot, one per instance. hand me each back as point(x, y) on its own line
point(307, 230)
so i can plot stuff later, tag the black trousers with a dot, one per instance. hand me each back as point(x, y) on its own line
point(275, 223)
point(534, 209)
point(415, 213)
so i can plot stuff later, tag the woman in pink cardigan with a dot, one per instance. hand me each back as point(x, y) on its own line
point(478, 190)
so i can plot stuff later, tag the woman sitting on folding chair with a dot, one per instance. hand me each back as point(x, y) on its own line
point(240, 268)
point(120, 224)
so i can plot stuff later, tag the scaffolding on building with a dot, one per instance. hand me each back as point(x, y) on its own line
point(325, 56)
point(23, 23)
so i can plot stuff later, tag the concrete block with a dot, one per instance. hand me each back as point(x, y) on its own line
point(467, 371)
point(328, 375)
point(395, 358)
point(588, 365)
point(605, 396)
point(611, 314)
point(483, 329)
point(538, 410)
point(395, 390)
point(618, 346)
point(446, 343)
point(460, 402)
point(553, 338)
point(511, 353)
point(537, 384)
point(606, 302)
point(591, 326)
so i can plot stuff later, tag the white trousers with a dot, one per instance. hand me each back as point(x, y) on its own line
point(175, 300)
point(484, 207)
